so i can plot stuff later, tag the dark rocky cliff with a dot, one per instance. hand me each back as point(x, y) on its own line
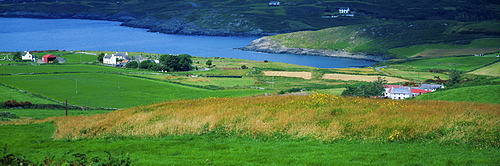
point(267, 45)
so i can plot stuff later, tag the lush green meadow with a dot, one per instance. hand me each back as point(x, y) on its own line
point(61, 69)
point(491, 70)
point(13, 94)
point(35, 142)
point(79, 58)
point(281, 130)
point(478, 46)
point(413, 74)
point(467, 63)
point(484, 94)
point(112, 90)
point(47, 113)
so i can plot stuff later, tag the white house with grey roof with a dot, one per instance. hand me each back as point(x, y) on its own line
point(403, 92)
point(400, 93)
point(274, 3)
point(344, 10)
point(115, 58)
point(27, 56)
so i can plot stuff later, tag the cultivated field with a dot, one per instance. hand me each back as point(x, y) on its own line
point(348, 77)
point(304, 75)
point(467, 63)
point(452, 52)
point(491, 70)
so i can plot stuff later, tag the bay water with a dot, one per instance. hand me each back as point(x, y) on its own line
point(25, 34)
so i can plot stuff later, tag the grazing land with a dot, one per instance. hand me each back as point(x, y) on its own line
point(467, 63)
point(304, 75)
point(177, 117)
point(271, 130)
point(491, 70)
point(14, 94)
point(112, 90)
point(348, 77)
point(483, 94)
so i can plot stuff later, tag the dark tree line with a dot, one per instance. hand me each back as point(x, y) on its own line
point(375, 88)
point(170, 63)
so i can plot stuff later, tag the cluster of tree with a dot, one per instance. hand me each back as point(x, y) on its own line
point(169, 63)
point(14, 103)
point(181, 62)
point(375, 88)
point(17, 56)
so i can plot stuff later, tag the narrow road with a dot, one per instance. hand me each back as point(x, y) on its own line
point(379, 69)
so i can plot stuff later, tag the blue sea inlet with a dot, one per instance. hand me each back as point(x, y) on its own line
point(23, 34)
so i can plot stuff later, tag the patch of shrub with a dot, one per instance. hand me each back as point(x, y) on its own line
point(76, 159)
point(291, 90)
point(14, 103)
point(6, 114)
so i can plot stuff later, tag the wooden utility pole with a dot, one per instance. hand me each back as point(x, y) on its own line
point(66, 107)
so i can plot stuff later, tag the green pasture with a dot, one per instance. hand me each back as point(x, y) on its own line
point(44, 113)
point(417, 75)
point(459, 63)
point(13, 94)
point(79, 58)
point(110, 90)
point(483, 94)
point(35, 142)
point(452, 49)
point(491, 70)
point(336, 91)
point(49, 68)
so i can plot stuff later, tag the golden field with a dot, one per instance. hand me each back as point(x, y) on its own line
point(318, 117)
point(349, 77)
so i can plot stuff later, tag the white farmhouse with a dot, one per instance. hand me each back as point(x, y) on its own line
point(400, 93)
point(27, 56)
point(115, 58)
point(274, 3)
point(344, 10)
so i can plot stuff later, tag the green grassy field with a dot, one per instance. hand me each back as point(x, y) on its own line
point(110, 90)
point(459, 63)
point(79, 58)
point(478, 46)
point(35, 143)
point(44, 113)
point(491, 70)
point(13, 94)
point(61, 68)
point(483, 94)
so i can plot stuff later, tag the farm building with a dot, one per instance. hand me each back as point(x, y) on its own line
point(402, 92)
point(27, 56)
point(117, 58)
point(344, 10)
point(274, 3)
point(49, 58)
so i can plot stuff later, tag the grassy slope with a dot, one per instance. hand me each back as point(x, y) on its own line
point(491, 70)
point(42, 114)
point(35, 142)
point(281, 130)
point(483, 94)
point(12, 94)
point(109, 90)
point(467, 63)
point(396, 37)
point(292, 15)
point(315, 117)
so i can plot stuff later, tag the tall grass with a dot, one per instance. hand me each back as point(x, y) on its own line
point(317, 117)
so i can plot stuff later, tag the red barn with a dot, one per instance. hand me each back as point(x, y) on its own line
point(49, 58)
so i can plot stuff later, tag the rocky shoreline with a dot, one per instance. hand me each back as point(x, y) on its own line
point(175, 25)
point(267, 45)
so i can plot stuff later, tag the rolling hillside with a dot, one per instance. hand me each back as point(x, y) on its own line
point(398, 39)
point(250, 17)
